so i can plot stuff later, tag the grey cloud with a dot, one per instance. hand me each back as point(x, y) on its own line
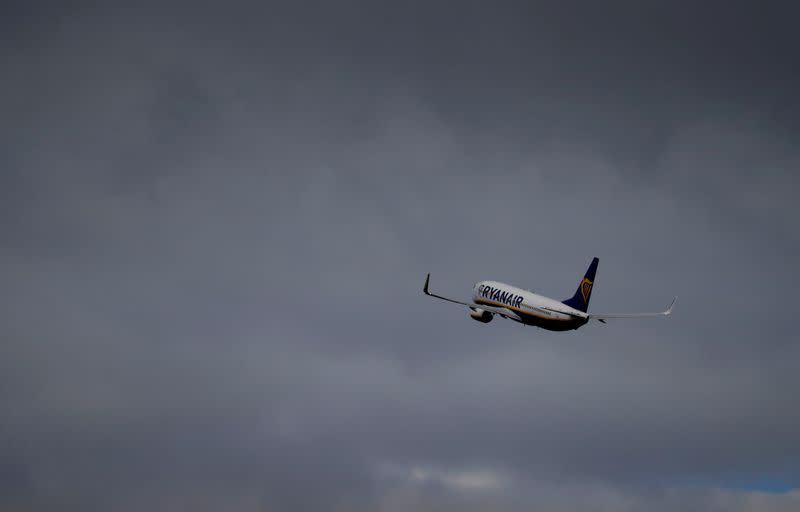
point(215, 226)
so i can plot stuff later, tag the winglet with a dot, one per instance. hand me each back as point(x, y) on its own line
point(669, 309)
point(425, 288)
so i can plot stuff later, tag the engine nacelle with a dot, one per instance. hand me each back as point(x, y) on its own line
point(481, 315)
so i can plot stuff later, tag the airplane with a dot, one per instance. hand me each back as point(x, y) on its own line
point(492, 298)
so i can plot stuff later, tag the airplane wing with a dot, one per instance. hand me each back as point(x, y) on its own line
point(492, 309)
point(603, 316)
point(498, 311)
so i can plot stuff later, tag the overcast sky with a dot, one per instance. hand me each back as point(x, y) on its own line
point(215, 223)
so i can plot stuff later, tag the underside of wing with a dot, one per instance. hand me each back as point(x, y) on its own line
point(498, 311)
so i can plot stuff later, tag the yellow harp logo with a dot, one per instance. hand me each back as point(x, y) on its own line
point(586, 289)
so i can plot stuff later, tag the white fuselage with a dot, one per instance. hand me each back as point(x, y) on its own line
point(533, 309)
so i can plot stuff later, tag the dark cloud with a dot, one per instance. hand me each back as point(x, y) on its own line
point(216, 222)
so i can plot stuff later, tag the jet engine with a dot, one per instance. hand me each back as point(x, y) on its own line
point(481, 315)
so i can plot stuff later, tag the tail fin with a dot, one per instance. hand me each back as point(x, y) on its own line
point(580, 300)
